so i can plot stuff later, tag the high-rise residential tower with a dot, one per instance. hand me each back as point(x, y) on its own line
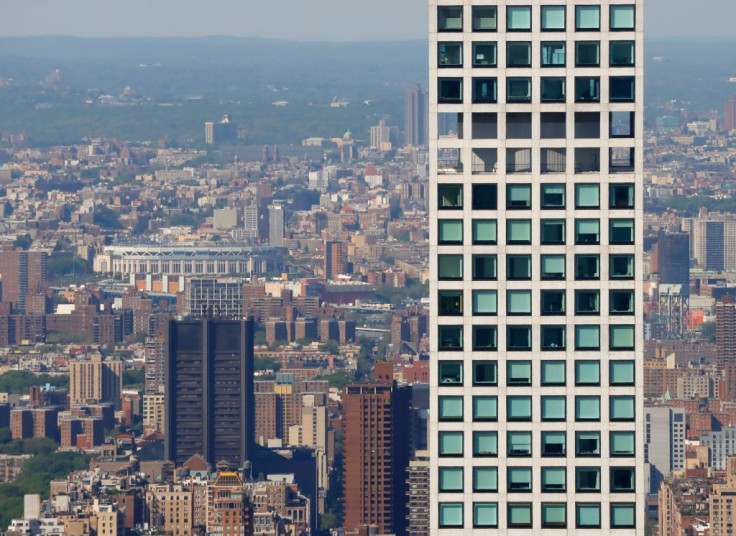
point(536, 211)
point(416, 113)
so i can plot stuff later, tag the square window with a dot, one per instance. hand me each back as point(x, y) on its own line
point(449, 55)
point(519, 338)
point(519, 18)
point(587, 159)
point(587, 337)
point(450, 232)
point(519, 515)
point(485, 373)
point(622, 373)
point(554, 479)
point(485, 338)
point(485, 408)
point(518, 160)
point(588, 18)
point(553, 408)
point(621, 196)
point(554, 515)
point(450, 90)
point(485, 444)
point(623, 18)
point(485, 515)
point(588, 516)
point(554, 443)
point(587, 89)
point(485, 90)
point(450, 18)
point(588, 479)
point(553, 302)
point(450, 267)
point(588, 444)
point(553, 54)
point(519, 89)
point(485, 54)
point(450, 302)
point(450, 338)
point(485, 232)
point(587, 232)
point(518, 232)
point(622, 408)
point(622, 124)
point(485, 302)
point(519, 373)
point(519, 196)
point(485, 267)
point(519, 267)
point(518, 302)
point(450, 444)
point(623, 515)
point(553, 373)
point(587, 408)
point(587, 53)
point(621, 337)
point(587, 196)
point(450, 196)
point(622, 88)
point(451, 373)
point(485, 479)
point(622, 266)
point(485, 197)
point(588, 127)
point(587, 302)
point(518, 54)
point(553, 89)
point(621, 159)
point(623, 480)
point(450, 408)
point(623, 444)
point(553, 18)
point(553, 196)
point(519, 408)
point(485, 18)
point(519, 479)
point(451, 515)
point(553, 268)
point(621, 302)
point(587, 267)
point(587, 373)
point(622, 53)
point(553, 232)
point(553, 338)
point(450, 479)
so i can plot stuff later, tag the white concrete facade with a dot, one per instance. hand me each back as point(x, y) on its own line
point(553, 457)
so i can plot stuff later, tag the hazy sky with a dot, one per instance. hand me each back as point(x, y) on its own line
point(323, 20)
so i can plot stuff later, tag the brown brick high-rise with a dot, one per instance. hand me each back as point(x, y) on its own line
point(725, 333)
point(23, 273)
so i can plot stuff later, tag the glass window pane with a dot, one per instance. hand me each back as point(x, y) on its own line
point(587, 373)
point(450, 302)
point(484, 54)
point(621, 231)
point(587, 196)
point(621, 302)
point(622, 408)
point(587, 89)
point(519, 443)
point(451, 408)
point(554, 479)
point(450, 267)
point(622, 54)
point(450, 231)
point(588, 515)
point(553, 302)
point(485, 302)
point(485, 197)
point(553, 338)
point(485, 90)
point(450, 443)
point(554, 443)
point(553, 89)
point(587, 18)
point(485, 444)
point(450, 18)
point(553, 408)
point(622, 124)
point(484, 18)
point(587, 53)
point(553, 54)
point(621, 196)
point(519, 266)
point(553, 18)
point(553, 196)
point(485, 515)
point(623, 479)
point(451, 479)
point(485, 232)
point(450, 338)
point(587, 267)
point(519, 18)
point(588, 479)
point(450, 90)
point(519, 515)
point(623, 17)
point(519, 89)
point(553, 232)
point(587, 408)
point(622, 373)
point(622, 266)
point(623, 516)
point(554, 515)
point(451, 372)
point(588, 444)
point(519, 196)
point(519, 372)
point(519, 479)
point(518, 232)
point(587, 232)
point(518, 54)
point(485, 479)
point(485, 408)
point(485, 338)
point(553, 267)
point(485, 373)
point(450, 196)
point(519, 408)
point(622, 88)
point(519, 302)
point(451, 515)
point(622, 337)
point(485, 267)
point(450, 54)
point(623, 444)
point(587, 302)
point(553, 373)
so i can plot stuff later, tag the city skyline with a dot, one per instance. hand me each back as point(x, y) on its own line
point(380, 20)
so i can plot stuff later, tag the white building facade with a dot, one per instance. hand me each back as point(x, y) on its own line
point(536, 231)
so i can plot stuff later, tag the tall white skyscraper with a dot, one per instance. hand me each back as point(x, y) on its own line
point(276, 225)
point(536, 213)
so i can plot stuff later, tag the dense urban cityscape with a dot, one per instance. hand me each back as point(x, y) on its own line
point(501, 307)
